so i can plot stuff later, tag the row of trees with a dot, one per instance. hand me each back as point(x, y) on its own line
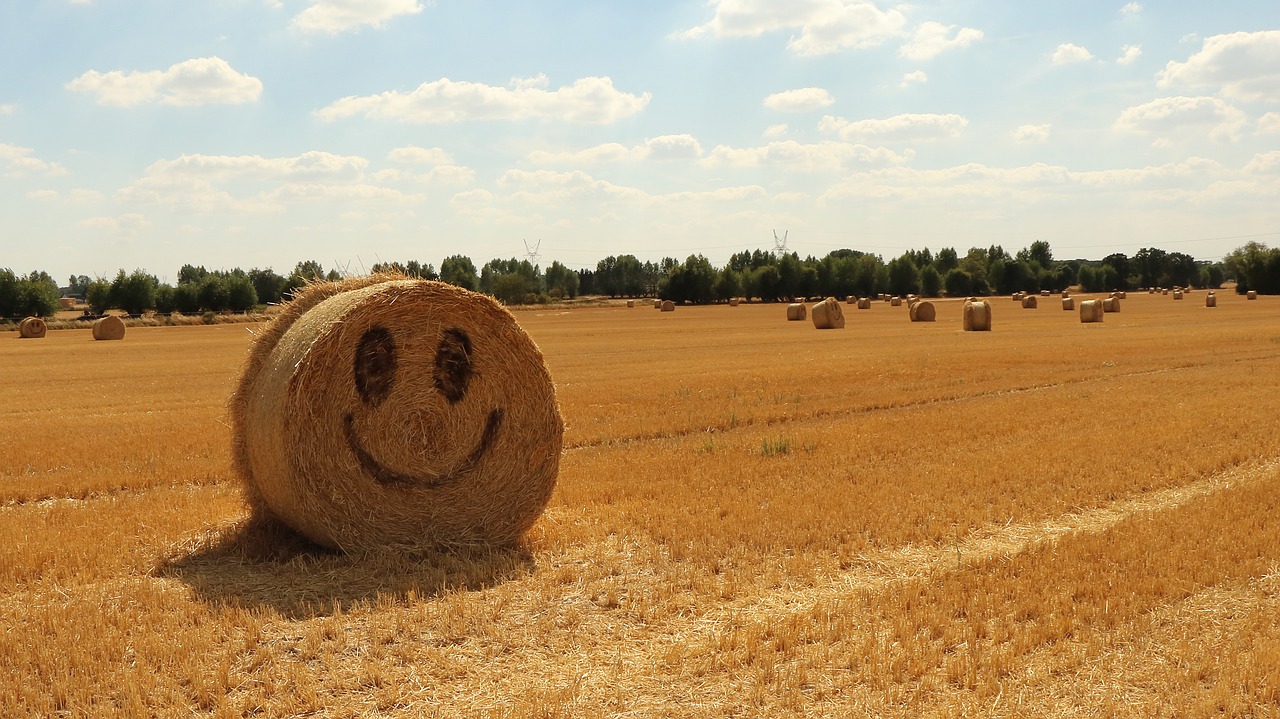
point(753, 274)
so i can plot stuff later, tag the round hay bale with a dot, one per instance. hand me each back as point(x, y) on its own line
point(977, 316)
point(1029, 302)
point(1045, 293)
point(1065, 294)
point(1251, 295)
point(1111, 304)
point(667, 306)
point(1122, 295)
point(827, 314)
point(733, 301)
point(631, 303)
point(392, 413)
point(895, 301)
point(1091, 311)
point(110, 327)
point(796, 311)
point(1068, 303)
point(922, 311)
point(1210, 300)
point(32, 328)
point(1164, 292)
point(864, 303)
point(1177, 294)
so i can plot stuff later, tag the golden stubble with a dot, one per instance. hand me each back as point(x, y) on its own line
point(752, 518)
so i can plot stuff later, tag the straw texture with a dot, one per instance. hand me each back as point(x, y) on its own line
point(110, 327)
point(32, 328)
point(392, 413)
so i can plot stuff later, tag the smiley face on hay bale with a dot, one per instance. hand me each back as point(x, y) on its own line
point(382, 412)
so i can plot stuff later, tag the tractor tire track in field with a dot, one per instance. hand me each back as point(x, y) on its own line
point(771, 420)
point(914, 562)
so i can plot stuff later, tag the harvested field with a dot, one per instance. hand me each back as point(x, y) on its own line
point(736, 541)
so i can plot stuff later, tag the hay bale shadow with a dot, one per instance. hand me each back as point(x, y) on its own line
point(260, 563)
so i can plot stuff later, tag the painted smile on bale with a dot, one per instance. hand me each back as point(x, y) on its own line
point(375, 374)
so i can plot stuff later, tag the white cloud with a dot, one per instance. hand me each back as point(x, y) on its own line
point(1128, 54)
point(827, 156)
point(823, 26)
point(7, 109)
point(1244, 65)
point(1031, 134)
point(1068, 53)
point(413, 155)
point(914, 78)
point(202, 81)
point(801, 100)
point(665, 147)
point(126, 225)
point(20, 162)
point(590, 100)
point(334, 16)
point(898, 127)
point(1266, 163)
point(1132, 9)
point(1173, 114)
point(933, 38)
point(1269, 124)
point(774, 131)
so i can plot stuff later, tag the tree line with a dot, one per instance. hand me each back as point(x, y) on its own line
point(750, 274)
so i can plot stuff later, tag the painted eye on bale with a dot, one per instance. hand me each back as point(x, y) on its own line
point(452, 372)
point(375, 365)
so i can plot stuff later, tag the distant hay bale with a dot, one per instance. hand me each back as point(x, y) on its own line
point(1251, 295)
point(631, 303)
point(1164, 292)
point(1065, 294)
point(32, 328)
point(1017, 296)
point(827, 314)
point(1068, 303)
point(796, 312)
point(110, 327)
point(1151, 290)
point(1044, 293)
point(1111, 304)
point(1029, 302)
point(1122, 295)
point(851, 300)
point(1210, 300)
point(1091, 311)
point(667, 306)
point(864, 303)
point(67, 303)
point(922, 311)
point(394, 413)
point(733, 301)
point(977, 316)
point(1177, 294)
point(895, 301)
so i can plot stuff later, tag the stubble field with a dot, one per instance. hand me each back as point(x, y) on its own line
point(753, 518)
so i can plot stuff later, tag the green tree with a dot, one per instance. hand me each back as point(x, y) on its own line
point(958, 283)
point(694, 281)
point(98, 296)
point(241, 295)
point(946, 260)
point(728, 284)
point(37, 295)
point(904, 278)
point(460, 271)
point(267, 285)
point(561, 281)
point(213, 293)
point(134, 293)
point(930, 281)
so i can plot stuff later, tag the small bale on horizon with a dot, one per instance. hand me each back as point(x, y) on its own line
point(864, 303)
point(977, 316)
point(1210, 300)
point(827, 314)
point(110, 327)
point(1251, 295)
point(1091, 311)
point(667, 306)
point(796, 312)
point(32, 328)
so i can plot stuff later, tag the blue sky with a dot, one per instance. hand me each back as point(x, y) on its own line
point(257, 133)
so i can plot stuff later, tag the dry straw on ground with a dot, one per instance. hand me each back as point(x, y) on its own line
point(796, 311)
point(32, 328)
point(1091, 311)
point(383, 412)
point(922, 311)
point(827, 315)
point(977, 316)
point(110, 327)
